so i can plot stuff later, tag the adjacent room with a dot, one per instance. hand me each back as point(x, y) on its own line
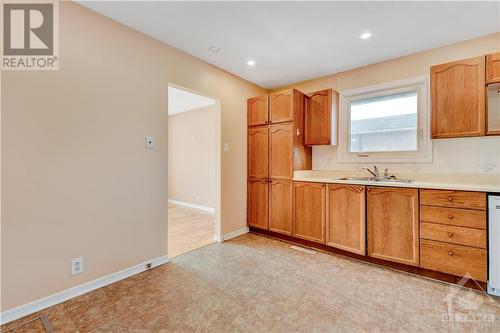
point(192, 145)
point(250, 166)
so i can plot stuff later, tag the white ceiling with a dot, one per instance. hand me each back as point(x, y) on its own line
point(295, 41)
point(181, 100)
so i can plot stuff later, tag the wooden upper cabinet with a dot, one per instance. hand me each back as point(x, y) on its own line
point(281, 151)
point(257, 111)
point(280, 206)
point(392, 221)
point(345, 218)
point(258, 152)
point(321, 118)
point(493, 68)
point(458, 96)
point(281, 106)
point(309, 211)
point(257, 203)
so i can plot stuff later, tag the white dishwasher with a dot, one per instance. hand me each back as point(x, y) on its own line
point(494, 245)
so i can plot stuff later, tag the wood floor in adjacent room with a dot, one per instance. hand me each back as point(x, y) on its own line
point(188, 229)
point(255, 284)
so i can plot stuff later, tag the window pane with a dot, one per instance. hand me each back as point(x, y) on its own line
point(386, 123)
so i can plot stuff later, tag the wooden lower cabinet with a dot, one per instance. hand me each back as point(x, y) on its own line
point(280, 206)
point(453, 199)
point(257, 203)
point(392, 222)
point(309, 211)
point(454, 259)
point(345, 218)
point(453, 234)
point(453, 216)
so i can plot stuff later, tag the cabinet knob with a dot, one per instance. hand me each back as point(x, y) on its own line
point(450, 217)
point(450, 198)
point(450, 253)
point(450, 234)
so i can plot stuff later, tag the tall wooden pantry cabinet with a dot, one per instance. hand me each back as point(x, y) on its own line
point(275, 150)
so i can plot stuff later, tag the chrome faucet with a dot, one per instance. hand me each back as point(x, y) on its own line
point(375, 173)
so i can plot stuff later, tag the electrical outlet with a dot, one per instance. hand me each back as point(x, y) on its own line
point(488, 166)
point(197, 198)
point(76, 266)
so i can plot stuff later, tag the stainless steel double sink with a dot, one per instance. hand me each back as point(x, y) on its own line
point(380, 179)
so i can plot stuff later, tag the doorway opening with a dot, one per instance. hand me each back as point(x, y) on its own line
point(193, 170)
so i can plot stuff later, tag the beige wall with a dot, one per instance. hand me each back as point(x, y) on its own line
point(191, 156)
point(76, 178)
point(473, 155)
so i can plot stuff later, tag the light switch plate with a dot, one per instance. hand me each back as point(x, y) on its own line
point(227, 147)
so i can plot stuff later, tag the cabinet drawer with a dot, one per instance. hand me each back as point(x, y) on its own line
point(453, 216)
point(453, 199)
point(452, 234)
point(453, 259)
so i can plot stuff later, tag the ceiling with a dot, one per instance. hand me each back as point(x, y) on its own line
point(296, 41)
point(181, 100)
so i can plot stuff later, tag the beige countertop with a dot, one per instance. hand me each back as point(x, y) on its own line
point(462, 182)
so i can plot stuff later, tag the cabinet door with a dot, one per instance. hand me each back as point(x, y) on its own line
point(281, 151)
point(281, 106)
point(280, 206)
point(321, 118)
point(458, 96)
point(258, 152)
point(493, 68)
point(393, 224)
point(257, 111)
point(309, 211)
point(493, 107)
point(345, 220)
point(257, 203)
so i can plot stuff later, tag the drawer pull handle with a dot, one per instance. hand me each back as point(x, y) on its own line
point(450, 234)
point(450, 198)
point(450, 253)
point(450, 217)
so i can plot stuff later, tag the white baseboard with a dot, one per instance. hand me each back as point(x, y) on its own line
point(235, 233)
point(190, 205)
point(219, 238)
point(43, 303)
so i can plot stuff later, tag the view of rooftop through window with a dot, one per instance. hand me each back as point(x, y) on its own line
point(384, 124)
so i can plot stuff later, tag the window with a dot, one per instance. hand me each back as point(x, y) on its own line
point(385, 123)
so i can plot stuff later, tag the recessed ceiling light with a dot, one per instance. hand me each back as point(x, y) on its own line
point(365, 35)
point(250, 62)
point(214, 49)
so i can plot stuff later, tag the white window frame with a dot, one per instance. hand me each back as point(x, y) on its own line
point(424, 143)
